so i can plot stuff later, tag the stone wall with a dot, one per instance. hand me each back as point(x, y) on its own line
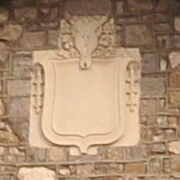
point(151, 25)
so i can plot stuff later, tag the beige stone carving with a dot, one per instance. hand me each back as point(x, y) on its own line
point(86, 93)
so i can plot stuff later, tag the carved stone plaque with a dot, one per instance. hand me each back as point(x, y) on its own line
point(86, 93)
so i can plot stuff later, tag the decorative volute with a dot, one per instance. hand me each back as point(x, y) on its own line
point(86, 93)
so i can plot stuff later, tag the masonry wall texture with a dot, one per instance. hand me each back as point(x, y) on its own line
point(151, 25)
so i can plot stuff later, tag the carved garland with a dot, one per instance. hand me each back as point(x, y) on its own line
point(37, 88)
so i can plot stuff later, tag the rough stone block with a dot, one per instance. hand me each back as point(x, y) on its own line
point(19, 88)
point(135, 168)
point(157, 148)
point(162, 5)
point(20, 3)
point(175, 79)
point(113, 153)
point(22, 64)
point(53, 36)
point(155, 166)
point(140, 5)
point(19, 112)
point(177, 23)
point(148, 106)
point(162, 121)
point(137, 35)
point(174, 59)
point(135, 153)
point(48, 14)
point(19, 107)
point(4, 53)
point(83, 169)
point(174, 147)
point(119, 7)
point(57, 154)
point(163, 28)
point(25, 14)
point(164, 41)
point(174, 97)
point(4, 14)
point(86, 7)
point(175, 165)
point(161, 17)
point(11, 32)
point(2, 151)
point(102, 168)
point(173, 121)
point(8, 136)
point(153, 86)
point(48, 1)
point(149, 62)
point(36, 173)
point(176, 41)
point(64, 171)
point(35, 39)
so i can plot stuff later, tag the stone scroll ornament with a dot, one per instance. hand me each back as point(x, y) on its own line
point(86, 93)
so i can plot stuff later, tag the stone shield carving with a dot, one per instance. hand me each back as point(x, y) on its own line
point(86, 93)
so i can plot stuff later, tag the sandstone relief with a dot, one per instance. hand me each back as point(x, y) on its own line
point(86, 93)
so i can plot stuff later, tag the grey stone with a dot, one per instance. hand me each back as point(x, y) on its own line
point(22, 64)
point(155, 166)
point(149, 62)
point(53, 37)
point(153, 86)
point(35, 39)
point(157, 148)
point(147, 107)
point(137, 35)
point(19, 107)
point(19, 88)
point(136, 152)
